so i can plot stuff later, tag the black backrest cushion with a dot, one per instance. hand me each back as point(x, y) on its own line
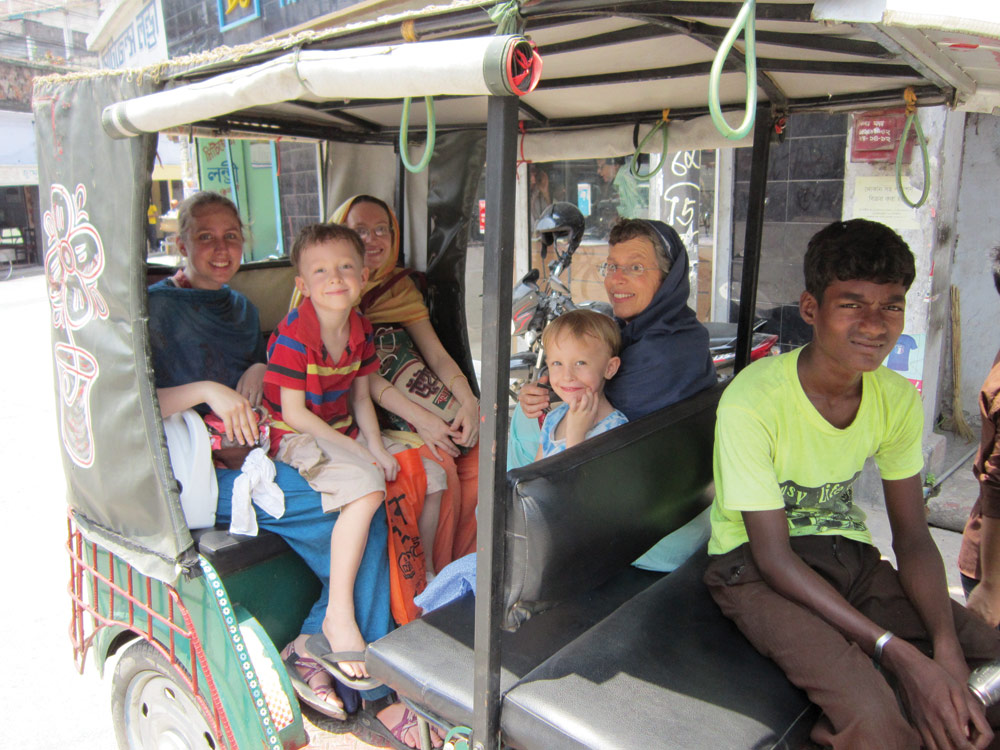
point(577, 518)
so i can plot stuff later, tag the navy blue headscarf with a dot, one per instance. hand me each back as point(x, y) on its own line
point(665, 355)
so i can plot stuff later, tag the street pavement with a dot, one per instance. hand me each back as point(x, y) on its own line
point(46, 702)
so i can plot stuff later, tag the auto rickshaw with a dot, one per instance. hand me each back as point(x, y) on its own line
point(555, 649)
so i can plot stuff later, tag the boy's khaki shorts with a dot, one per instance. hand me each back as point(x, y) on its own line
point(339, 475)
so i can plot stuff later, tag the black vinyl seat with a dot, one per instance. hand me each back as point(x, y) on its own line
point(666, 669)
point(594, 653)
point(431, 660)
point(229, 553)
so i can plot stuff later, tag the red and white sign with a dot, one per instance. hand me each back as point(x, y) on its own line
point(876, 136)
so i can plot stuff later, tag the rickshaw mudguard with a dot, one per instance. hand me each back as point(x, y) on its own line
point(216, 645)
point(94, 192)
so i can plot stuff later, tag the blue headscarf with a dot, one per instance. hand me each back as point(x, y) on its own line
point(202, 334)
point(665, 355)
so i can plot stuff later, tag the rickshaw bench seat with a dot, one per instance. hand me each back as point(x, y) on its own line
point(575, 522)
point(665, 669)
point(229, 553)
point(431, 660)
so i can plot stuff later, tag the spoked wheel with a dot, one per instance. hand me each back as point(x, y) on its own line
point(151, 706)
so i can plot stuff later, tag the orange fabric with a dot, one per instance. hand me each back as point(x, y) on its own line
point(404, 499)
point(456, 529)
point(468, 477)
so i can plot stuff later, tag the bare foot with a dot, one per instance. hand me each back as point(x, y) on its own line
point(403, 723)
point(343, 635)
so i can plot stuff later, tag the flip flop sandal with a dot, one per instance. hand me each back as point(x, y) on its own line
point(319, 649)
point(370, 721)
point(312, 697)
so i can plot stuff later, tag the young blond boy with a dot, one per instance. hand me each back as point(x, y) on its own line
point(316, 386)
point(581, 349)
point(319, 358)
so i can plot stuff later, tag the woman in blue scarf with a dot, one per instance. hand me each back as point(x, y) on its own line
point(665, 355)
point(208, 354)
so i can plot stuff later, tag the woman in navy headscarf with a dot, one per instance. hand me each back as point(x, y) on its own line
point(665, 355)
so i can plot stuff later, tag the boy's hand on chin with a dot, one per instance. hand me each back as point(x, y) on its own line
point(581, 416)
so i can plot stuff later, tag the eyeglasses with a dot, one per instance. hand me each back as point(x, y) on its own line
point(632, 269)
point(379, 230)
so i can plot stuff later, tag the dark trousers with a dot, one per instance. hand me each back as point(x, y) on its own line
point(834, 672)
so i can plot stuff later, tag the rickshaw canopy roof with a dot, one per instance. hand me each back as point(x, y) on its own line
point(626, 63)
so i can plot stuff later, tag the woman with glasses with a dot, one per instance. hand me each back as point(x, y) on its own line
point(665, 356)
point(423, 390)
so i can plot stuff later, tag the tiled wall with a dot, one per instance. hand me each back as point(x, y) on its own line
point(805, 186)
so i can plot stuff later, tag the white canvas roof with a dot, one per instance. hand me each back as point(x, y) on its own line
point(614, 66)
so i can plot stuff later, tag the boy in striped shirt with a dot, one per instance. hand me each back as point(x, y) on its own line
point(319, 360)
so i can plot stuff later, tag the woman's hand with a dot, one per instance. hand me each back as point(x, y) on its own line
point(534, 398)
point(465, 426)
point(235, 410)
point(251, 383)
point(435, 433)
point(386, 461)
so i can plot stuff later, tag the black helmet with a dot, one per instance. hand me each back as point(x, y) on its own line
point(560, 220)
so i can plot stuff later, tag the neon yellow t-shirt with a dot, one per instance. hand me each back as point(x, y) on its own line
point(774, 450)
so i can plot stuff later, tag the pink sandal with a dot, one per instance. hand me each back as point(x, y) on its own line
point(302, 669)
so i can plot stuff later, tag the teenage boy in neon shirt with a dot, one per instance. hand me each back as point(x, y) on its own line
point(793, 561)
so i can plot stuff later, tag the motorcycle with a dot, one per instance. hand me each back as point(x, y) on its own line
point(722, 345)
point(536, 304)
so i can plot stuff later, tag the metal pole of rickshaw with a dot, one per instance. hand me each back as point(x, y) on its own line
point(400, 200)
point(762, 133)
point(498, 272)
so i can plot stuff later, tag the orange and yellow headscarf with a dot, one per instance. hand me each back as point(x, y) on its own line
point(402, 303)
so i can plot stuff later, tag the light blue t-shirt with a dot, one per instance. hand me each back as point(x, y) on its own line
point(551, 446)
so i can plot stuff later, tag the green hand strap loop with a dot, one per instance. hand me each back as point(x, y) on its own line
point(744, 19)
point(404, 127)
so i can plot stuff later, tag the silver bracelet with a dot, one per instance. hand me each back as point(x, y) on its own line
point(880, 645)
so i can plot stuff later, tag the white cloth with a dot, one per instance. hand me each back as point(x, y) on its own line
point(255, 482)
point(191, 458)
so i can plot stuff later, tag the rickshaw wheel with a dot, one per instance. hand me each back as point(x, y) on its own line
point(152, 709)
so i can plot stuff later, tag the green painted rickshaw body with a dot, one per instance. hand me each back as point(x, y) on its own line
point(240, 649)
